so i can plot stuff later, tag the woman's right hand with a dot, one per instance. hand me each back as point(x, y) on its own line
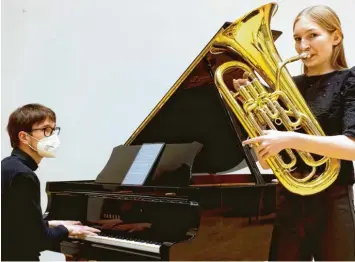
point(80, 230)
point(262, 161)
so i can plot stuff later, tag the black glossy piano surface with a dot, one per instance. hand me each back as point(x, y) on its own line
point(225, 220)
point(193, 211)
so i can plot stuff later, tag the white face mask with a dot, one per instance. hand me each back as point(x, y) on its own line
point(47, 146)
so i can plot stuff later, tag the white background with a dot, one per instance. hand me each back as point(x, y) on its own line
point(102, 65)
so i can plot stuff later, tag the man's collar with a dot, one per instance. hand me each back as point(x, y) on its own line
point(25, 158)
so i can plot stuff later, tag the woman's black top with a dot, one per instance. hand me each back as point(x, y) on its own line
point(331, 98)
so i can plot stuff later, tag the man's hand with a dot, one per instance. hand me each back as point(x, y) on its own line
point(81, 231)
point(55, 223)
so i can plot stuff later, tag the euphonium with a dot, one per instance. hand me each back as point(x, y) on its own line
point(251, 39)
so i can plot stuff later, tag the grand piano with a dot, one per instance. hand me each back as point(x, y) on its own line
point(195, 208)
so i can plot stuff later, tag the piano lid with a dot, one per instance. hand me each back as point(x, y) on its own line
point(193, 110)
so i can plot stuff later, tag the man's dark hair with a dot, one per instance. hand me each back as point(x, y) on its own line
point(23, 119)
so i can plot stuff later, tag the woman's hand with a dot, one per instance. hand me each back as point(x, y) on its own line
point(271, 143)
point(262, 161)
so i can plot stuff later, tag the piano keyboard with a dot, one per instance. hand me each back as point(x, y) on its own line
point(125, 243)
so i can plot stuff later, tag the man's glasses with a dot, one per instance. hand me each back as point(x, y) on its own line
point(48, 131)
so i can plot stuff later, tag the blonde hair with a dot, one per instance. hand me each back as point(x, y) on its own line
point(326, 18)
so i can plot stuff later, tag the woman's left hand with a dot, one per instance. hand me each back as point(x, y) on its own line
point(271, 142)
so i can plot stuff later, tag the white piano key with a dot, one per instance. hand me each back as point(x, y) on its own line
point(136, 245)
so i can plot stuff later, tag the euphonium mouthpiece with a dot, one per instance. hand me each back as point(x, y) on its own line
point(304, 55)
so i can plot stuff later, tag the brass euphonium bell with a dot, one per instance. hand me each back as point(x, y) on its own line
point(250, 38)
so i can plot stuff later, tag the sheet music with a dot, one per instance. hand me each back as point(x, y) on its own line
point(143, 164)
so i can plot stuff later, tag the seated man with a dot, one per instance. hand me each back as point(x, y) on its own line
point(33, 135)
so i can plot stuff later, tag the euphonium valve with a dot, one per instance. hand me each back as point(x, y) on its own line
point(281, 106)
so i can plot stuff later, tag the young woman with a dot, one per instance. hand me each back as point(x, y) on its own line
point(320, 226)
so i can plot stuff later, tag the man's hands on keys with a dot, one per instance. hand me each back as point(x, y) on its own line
point(55, 223)
point(81, 231)
point(75, 228)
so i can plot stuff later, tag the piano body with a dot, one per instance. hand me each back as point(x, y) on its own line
point(196, 212)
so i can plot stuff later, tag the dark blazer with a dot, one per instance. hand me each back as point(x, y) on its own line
point(24, 233)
